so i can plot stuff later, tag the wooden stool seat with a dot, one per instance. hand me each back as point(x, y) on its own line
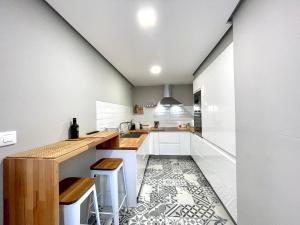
point(107, 164)
point(73, 188)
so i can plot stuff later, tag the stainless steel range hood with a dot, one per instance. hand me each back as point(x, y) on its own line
point(168, 100)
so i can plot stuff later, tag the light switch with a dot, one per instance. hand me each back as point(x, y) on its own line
point(8, 138)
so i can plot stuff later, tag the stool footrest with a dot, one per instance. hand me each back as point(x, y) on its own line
point(110, 212)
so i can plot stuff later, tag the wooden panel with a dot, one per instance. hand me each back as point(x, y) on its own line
point(112, 143)
point(72, 189)
point(31, 195)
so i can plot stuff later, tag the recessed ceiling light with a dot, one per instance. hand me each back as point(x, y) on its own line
point(155, 69)
point(146, 17)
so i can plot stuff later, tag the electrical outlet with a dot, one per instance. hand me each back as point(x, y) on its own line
point(8, 138)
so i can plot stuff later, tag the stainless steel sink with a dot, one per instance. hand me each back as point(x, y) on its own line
point(131, 135)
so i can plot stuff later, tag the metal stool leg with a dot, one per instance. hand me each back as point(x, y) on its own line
point(125, 187)
point(88, 209)
point(95, 201)
point(114, 196)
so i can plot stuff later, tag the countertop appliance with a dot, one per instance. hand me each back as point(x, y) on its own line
point(197, 113)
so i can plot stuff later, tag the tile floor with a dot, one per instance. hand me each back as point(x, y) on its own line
point(175, 192)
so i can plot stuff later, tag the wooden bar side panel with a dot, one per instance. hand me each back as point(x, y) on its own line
point(31, 191)
point(110, 144)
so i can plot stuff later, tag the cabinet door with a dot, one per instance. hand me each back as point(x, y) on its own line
point(151, 148)
point(193, 145)
point(155, 142)
point(185, 143)
point(169, 137)
point(169, 149)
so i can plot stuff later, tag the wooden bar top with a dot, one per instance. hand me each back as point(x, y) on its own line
point(64, 150)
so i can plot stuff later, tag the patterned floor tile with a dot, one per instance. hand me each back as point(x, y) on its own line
point(175, 192)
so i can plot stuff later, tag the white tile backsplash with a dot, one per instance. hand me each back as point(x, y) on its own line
point(109, 115)
point(168, 117)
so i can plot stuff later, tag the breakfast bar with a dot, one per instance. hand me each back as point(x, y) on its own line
point(31, 179)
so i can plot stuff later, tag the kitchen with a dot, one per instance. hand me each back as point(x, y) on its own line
point(174, 105)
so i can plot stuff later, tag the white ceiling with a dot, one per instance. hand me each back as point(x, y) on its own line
point(185, 32)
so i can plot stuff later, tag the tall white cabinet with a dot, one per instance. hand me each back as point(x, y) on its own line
point(215, 152)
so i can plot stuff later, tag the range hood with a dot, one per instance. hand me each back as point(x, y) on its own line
point(168, 100)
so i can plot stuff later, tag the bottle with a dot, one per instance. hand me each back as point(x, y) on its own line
point(74, 130)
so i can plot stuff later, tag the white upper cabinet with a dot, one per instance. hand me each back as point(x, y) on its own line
point(216, 83)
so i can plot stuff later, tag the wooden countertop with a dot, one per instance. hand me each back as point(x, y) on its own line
point(125, 144)
point(64, 150)
point(135, 143)
point(132, 143)
point(166, 129)
point(172, 129)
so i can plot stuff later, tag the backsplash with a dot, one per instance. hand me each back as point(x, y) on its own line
point(167, 116)
point(110, 115)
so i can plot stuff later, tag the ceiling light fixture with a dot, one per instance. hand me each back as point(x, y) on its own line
point(155, 69)
point(146, 17)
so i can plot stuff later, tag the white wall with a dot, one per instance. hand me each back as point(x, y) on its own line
point(216, 83)
point(267, 76)
point(49, 74)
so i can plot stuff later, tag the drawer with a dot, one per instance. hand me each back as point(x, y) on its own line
point(169, 137)
point(169, 149)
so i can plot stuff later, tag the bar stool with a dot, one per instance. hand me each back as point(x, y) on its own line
point(110, 167)
point(72, 192)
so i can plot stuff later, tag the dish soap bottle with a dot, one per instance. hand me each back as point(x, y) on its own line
point(74, 129)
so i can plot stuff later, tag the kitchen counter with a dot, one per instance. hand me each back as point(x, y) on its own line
point(171, 129)
point(132, 143)
point(166, 129)
point(126, 143)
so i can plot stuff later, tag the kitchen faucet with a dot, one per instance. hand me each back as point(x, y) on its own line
point(120, 126)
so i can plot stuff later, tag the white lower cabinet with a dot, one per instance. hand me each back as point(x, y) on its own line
point(142, 156)
point(219, 169)
point(169, 149)
point(171, 143)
